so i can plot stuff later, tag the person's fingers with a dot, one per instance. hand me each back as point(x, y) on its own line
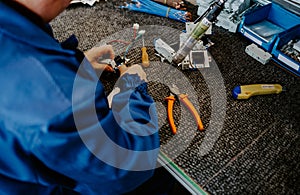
point(122, 69)
point(106, 50)
point(103, 67)
point(111, 51)
point(134, 69)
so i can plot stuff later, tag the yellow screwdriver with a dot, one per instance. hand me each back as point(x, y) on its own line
point(145, 57)
point(246, 91)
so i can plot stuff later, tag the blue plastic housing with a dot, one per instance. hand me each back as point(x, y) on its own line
point(270, 18)
point(282, 59)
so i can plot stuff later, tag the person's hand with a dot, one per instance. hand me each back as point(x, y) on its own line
point(134, 69)
point(95, 53)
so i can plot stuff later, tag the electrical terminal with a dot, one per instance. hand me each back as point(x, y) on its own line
point(136, 26)
point(141, 32)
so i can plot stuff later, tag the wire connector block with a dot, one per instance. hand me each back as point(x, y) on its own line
point(136, 26)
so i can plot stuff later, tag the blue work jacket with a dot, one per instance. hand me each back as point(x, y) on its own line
point(57, 133)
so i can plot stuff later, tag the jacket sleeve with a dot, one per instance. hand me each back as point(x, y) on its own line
point(106, 151)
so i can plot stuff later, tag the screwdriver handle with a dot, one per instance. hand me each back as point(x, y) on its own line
point(184, 99)
point(170, 101)
point(145, 58)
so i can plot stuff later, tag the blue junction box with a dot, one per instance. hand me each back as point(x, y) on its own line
point(262, 25)
point(283, 59)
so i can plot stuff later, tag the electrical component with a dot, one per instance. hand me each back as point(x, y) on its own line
point(206, 20)
point(297, 46)
point(195, 60)
point(164, 50)
point(199, 59)
point(232, 13)
point(257, 53)
point(136, 26)
point(198, 56)
point(119, 61)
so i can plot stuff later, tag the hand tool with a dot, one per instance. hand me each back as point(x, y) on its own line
point(183, 98)
point(121, 63)
point(246, 91)
point(109, 62)
point(145, 58)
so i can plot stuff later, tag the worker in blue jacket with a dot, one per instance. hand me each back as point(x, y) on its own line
point(58, 134)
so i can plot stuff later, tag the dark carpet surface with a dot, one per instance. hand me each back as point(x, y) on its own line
point(250, 146)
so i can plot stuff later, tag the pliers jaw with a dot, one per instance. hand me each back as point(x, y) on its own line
point(174, 89)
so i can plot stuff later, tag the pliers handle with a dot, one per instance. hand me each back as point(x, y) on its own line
point(183, 98)
point(170, 101)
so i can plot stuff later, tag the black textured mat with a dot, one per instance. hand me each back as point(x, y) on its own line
point(249, 146)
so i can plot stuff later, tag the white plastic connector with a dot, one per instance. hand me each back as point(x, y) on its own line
point(257, 53)
point(136, 26)
point(141, 32)
point(164, 50)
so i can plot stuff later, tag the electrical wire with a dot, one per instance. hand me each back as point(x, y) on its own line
point(151, 7)
point(118, 41)
point(140, 34)
point(177, 4)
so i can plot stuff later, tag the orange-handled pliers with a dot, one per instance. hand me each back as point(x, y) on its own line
point(183, 98)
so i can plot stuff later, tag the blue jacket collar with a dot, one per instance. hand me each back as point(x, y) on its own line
point(17, 26)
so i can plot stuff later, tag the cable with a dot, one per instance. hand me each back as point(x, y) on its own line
point(151, 7)
point(140, 34)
